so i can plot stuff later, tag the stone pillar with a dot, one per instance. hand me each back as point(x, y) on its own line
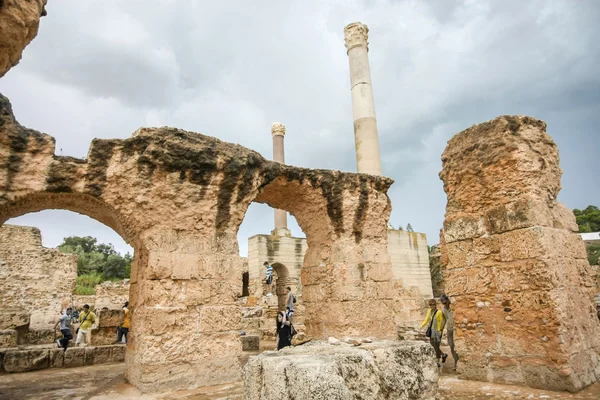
point(186, 317)
point(278, 132)
point(363, 106)
point(514, 265)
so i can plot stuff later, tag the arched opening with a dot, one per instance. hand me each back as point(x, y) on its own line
point(48, 243)
point(283, 250)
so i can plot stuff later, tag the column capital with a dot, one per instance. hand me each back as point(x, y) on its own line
point(356, 34)
point(277, 129)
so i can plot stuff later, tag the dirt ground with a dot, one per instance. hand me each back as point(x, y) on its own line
point(106, 382)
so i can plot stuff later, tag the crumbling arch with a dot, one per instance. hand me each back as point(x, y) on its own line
point(179, 198)
point(76, 202)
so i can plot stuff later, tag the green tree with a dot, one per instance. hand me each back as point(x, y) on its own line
point(87, 243)
point(114, 267)
point(588, 220)
point(97, 260)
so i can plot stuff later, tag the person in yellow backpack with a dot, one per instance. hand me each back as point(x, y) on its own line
point(434, 322)
point(87, 318)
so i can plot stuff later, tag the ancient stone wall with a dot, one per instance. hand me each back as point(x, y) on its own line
point(34, 278)
point(437, 270)
point(410, 260)
point(178, 198)
point(33, 359)
point(515, 266)
point(112, 295)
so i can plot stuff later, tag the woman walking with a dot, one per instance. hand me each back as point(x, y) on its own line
point(284, 331)
point(434, 321)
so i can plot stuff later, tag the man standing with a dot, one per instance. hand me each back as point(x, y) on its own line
point(289, 302)
point(123, 329)
point(87, 319)
point(64, 320)
point(269, 279)
point(449, 324)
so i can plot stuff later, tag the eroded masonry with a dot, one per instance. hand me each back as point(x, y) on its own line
point(514, 264)
point(178, 198)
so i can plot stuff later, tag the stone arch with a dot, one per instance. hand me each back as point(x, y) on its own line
point(76, 202)
point(178, 198)
point(346, 265)
point(183, 196)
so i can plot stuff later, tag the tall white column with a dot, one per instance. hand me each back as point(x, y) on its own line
point(278, 132)
point(356, 37)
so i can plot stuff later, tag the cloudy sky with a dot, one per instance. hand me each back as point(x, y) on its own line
point(229, 69)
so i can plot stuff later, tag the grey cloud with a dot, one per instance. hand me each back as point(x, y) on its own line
point(229, 70)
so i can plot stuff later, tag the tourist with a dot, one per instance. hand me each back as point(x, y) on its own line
point(123, 329)
point(284, 331)
point(269, 279)
point(87, 319)
point(449, 325)
point(289, 303)
point(434, 330)
point(64, 320)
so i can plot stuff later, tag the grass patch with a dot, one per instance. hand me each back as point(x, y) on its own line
point(86, 284)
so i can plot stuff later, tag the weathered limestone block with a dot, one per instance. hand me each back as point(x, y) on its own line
point(12, 318)
point(25, 360)
point(515, 267)
point(103, 336)
point(109, 318)
point(74, 357)
point(252, 312)
point(19, 23)
point(8, 338)
point(38, 336)
point(117, 354)
point(57, 358)
point(379, 370)
point(250, 342)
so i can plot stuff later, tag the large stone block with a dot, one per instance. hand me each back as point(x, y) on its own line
point(25, 360)
point(110, 318)
point(250, 342)
point(13, 318)
point(8, 338)
point(102, 355)
point(399, 370)
point(57, 358)
point(103, 336)
point(75, 357)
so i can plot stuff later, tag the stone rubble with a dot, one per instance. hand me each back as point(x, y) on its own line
point(319, 370)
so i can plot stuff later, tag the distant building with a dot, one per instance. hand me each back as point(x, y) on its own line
point(590, 237)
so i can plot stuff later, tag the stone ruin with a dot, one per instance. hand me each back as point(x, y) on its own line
point(178, 198)
point(34, 281)
point(513, 265)
point(517, 270)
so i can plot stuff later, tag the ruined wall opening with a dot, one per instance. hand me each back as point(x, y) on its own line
point(284, 250)
point(245, 284)
point(281, 279)
point(39, 281)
